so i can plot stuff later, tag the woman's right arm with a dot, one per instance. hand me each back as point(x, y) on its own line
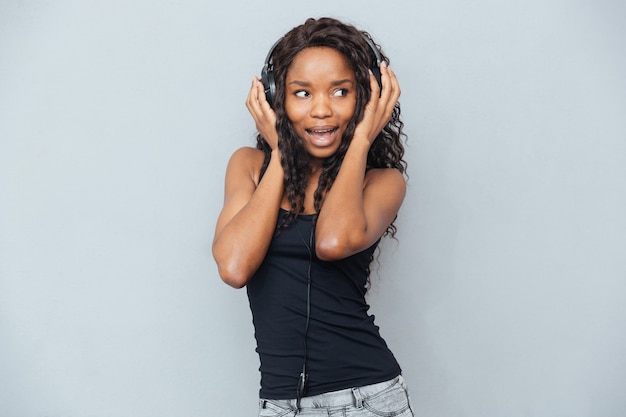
point(248, 218)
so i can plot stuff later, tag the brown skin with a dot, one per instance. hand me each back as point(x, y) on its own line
point(320, 100)
point(320, 107)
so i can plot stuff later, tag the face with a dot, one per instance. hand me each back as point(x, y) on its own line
point(320, 98)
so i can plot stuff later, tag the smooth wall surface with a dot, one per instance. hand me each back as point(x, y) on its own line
point(504, 295)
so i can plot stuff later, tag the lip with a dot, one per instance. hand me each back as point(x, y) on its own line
point(322, 136)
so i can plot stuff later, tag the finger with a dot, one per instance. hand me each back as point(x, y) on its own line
point(262, 98)
point(254, 102)
point(261, 105)
point(251, 98)
point(388, 97)
point(391, 89)
point(384, 78)
point(374, 87)
point(382, 112)
point(387, 80)
point(393, 82)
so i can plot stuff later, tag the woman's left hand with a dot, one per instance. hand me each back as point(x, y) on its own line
point(262, 113)
point(380, 106)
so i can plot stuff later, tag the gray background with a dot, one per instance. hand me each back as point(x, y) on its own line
point(504, 295)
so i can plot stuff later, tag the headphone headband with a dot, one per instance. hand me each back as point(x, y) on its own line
point(267, 73)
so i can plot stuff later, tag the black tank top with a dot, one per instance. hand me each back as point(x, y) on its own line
point(344, 347)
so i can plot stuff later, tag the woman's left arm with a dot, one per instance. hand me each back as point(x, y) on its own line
point(360, 206)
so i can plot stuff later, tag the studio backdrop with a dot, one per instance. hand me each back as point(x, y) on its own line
point(504, 293)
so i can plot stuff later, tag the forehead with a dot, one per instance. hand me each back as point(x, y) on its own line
point(319, 62)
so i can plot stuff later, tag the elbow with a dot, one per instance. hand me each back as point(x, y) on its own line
point(335, 243)
point(231, 269)
point(235, 282)
point(331, 249)
point(233, 276)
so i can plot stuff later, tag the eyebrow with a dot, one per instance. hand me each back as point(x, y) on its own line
point(334, 83)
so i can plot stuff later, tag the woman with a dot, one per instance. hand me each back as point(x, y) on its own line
point(303, 214)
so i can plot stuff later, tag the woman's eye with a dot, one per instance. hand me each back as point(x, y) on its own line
point(302, 93)
point(342, 92)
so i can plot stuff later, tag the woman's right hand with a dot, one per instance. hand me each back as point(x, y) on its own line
point(262, 113)
point(380, 107)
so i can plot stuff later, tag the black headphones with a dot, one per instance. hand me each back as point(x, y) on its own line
point(267, 73)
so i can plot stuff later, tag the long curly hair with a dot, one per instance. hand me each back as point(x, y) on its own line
point(387, 151)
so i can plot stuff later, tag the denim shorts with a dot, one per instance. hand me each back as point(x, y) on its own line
point(387, 399)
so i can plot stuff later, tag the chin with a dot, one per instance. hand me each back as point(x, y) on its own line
point(323, 153)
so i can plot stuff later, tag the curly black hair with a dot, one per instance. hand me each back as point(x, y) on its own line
point(387, 151)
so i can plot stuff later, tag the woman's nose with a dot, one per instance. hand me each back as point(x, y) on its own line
point(321, 107)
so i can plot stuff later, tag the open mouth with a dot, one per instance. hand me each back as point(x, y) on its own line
point(321, 132)
point(322, 136)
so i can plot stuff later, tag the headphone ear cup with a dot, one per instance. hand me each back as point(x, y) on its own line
point(376, 71)
point(378, 59)
point(267, 79)
point(267, 76)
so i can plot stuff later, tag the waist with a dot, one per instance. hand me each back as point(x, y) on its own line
point(341, 398)
point(331, 366)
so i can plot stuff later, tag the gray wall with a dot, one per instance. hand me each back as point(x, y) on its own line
point(504, 295)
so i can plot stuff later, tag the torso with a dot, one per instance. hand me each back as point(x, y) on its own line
point(344, 346)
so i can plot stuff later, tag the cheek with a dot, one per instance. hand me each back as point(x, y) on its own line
point(348, 110)
point(293, 110)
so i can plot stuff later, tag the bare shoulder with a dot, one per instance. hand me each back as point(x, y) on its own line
point(246, 161)
point(385, 178)
point(247, 155)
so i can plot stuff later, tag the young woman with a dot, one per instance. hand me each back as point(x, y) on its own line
point(303, 214)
